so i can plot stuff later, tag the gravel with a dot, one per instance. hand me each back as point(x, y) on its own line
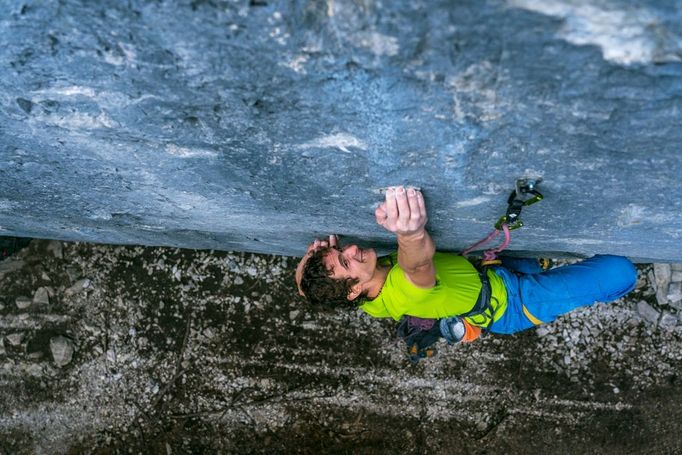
point(164, 350)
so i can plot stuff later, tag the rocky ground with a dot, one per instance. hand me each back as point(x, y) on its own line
point(156, 350)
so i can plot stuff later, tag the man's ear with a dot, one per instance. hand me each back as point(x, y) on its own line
point(355, 292)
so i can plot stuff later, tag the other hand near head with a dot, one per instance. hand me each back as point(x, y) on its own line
point(330, 242)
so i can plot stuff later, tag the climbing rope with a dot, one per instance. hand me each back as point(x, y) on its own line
point(490, 256)
point(518, 199)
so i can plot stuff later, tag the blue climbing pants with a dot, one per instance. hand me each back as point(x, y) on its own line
point(535, 297)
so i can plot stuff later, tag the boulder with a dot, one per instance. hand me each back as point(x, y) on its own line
point(62, 350)
point(23, 302)
point(647, 312)
point(41, 296)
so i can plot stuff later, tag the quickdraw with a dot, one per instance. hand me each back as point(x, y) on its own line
point(518, 199)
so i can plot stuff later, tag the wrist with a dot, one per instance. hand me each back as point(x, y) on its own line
point(412, 236)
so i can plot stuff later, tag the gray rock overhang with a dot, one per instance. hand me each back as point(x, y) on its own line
point(255, 128)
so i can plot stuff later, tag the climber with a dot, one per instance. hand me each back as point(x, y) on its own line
point(420, 282)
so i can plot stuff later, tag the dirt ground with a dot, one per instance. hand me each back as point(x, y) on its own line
point(178, 351)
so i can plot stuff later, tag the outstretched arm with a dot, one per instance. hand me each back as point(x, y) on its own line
point(404, 213)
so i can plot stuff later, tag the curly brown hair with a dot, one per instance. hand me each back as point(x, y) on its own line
point(321, 289)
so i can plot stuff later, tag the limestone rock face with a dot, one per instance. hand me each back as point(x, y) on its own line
point(256, 125)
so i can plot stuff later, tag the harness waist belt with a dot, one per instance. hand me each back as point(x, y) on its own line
point(483, 301)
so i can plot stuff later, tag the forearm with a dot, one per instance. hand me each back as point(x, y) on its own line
point(404, 213)
point(415, 251)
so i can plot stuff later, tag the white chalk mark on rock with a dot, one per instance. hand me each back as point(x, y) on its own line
point(634, 214)
point(341, 141)
point(186, 152)
point(73, 90)
point(81, 121)
point(377, 43)
point(471, 202)
point(296, 64)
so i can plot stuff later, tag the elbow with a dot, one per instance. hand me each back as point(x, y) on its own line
point(422, 267)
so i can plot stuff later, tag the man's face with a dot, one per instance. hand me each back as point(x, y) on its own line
point(352, 262)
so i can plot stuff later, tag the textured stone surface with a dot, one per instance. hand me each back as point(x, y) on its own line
point(164, 336)
point(254, 125)
point(662, 274)
point(41, 296)
point(15, 339)
point(675, 292)
point(668, 321)
point(62, 350)
point(647, 312)
point(23, 302)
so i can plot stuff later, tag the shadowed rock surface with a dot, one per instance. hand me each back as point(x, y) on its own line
point(253, 125)
point(178, 351)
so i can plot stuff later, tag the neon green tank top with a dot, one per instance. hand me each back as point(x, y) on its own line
point(456, 291)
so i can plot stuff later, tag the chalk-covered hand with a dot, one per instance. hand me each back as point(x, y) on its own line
point(403, 212)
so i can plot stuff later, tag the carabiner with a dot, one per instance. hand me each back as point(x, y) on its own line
point(527, 186)
point(515, 202)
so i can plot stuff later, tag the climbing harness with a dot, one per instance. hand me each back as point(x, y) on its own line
point(419, 335)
